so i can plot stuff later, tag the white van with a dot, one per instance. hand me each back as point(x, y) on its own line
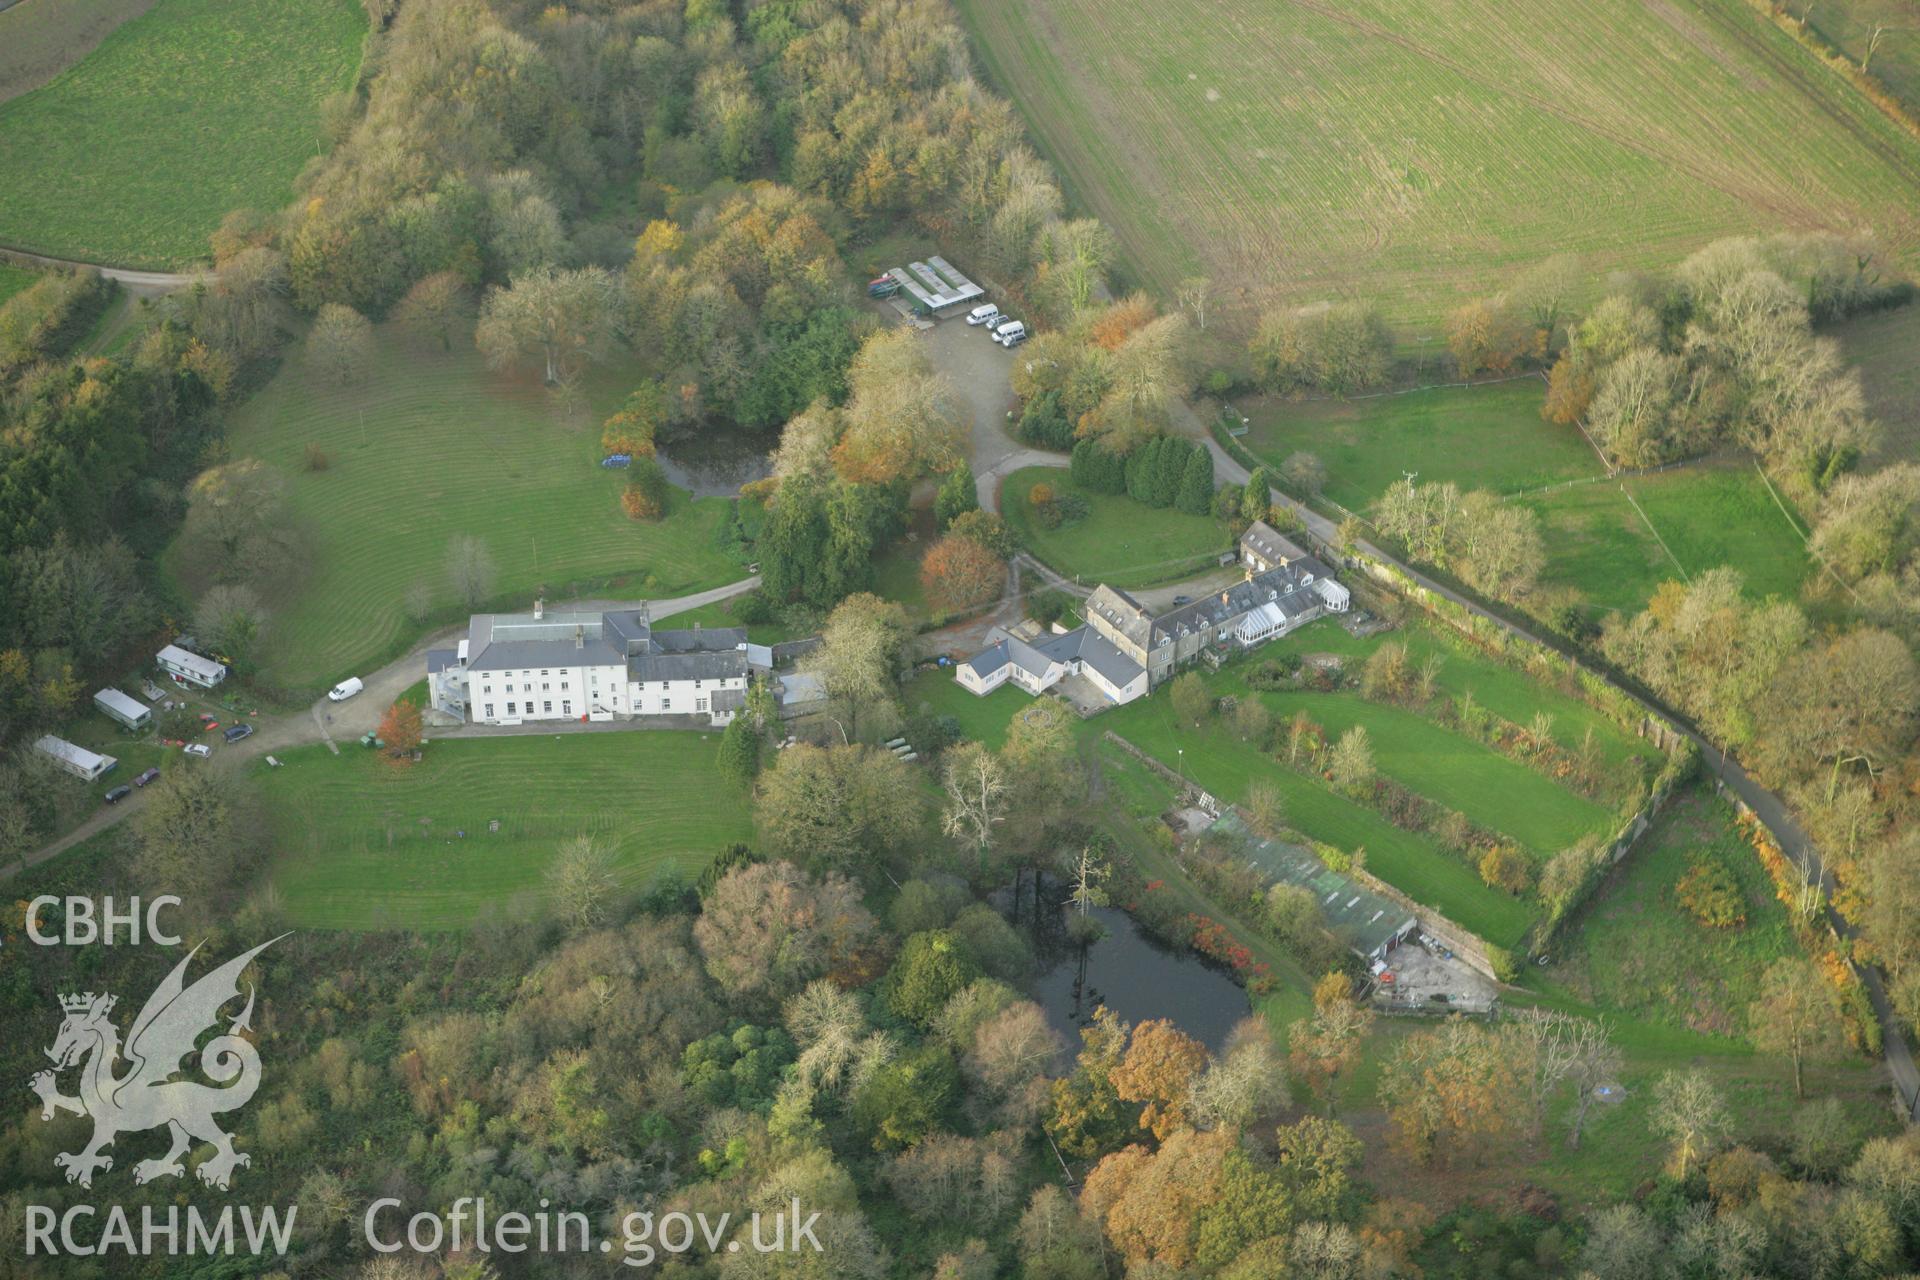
point(986, 314)
point(1010, 334)
point(346, 689)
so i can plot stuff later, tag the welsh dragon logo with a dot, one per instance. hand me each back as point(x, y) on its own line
point(147, 1096)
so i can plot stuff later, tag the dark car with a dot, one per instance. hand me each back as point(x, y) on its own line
point(119, 793)
point(238, 732)
point(146, 777)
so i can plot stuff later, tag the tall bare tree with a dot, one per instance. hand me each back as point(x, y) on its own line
point(1194, 294)
point(1795, 1014)
point(581, 883)
point(1594, 1062)
point(978, 794)
point(1690, 1112)
point(470, 569)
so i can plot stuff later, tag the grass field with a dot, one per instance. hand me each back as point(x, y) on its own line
point(360, 844)
point(1492, 437)
point(1848, 25)
point(1120, 541)
point(14, 279)
point(1884, 346)
point(1500, 794)
point(1635, 950)
point(1489, 437)
point(1419, 154)
point(1510, 694)
point(721, 615)
point(1707, 515)
point(1413, 863)
point(132, 156)
point(433, 446)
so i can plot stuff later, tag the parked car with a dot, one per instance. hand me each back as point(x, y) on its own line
point(986, 313)
point(199, 750)
point(119, 793)
point(1011, 334)
point(1012, 340)
point(238, 732)
point(1180, 600)
point(146, 777)
point(346, 689)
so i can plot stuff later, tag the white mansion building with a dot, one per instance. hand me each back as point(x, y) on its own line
point(517, 667)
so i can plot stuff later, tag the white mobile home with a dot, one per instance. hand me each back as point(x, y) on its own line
point(190, 668)
point(116, 705)
point(78, 761)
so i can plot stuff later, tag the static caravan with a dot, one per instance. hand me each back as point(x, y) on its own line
point(190, 668)
point(116, 705)
point(78, 761)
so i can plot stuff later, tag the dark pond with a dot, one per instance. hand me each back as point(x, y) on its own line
point(1129, 972)
point(715, 462)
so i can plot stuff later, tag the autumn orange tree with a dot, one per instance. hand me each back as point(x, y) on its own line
point(1450, 1091)
point(958, 573)
point(1324, 1045)
point(646, 494)
point(1159, 1068)
point(1152, 1201)
point(400, 729)
point(1504, 867)
point(1205, 1201)
point(1488, 335)
point(1112, 327)
point(632, 429)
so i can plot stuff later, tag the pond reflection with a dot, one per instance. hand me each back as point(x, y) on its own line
point(1127, 970)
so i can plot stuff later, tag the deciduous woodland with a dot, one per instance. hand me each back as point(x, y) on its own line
point(1592, 317)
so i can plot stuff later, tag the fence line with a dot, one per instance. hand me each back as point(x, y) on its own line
point(1656, 534)
point(1430, 386)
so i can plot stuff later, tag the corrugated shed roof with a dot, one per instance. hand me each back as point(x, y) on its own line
point(1361, 918)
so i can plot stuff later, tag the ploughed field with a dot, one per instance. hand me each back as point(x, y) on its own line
point(1416, 154)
